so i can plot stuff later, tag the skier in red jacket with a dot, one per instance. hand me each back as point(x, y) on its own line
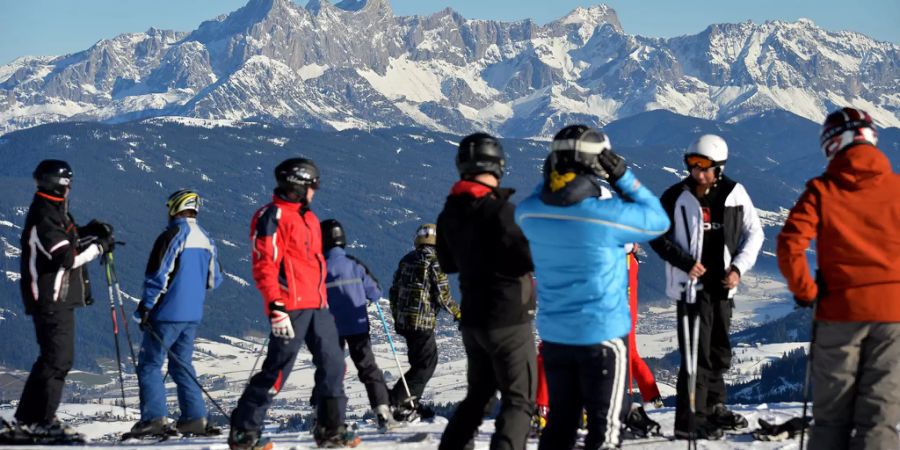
point(289, 269)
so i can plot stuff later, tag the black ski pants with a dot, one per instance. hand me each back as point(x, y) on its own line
point(316, 328)
point(421, 350)
point(501, 359)
point(590, 379)
point(55, 331)
point(369, 374)
point(713, 356)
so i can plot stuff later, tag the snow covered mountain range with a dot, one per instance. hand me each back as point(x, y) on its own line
point(355, 64)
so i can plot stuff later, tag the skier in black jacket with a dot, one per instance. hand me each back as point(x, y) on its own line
point(54, 282)
point(479, 239)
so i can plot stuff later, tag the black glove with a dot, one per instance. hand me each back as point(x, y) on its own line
point(613, 166)
point(97, 229)
point(107, 244)
point(804, 303)
point(142, 316)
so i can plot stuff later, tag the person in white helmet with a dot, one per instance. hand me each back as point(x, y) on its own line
point(714, 240)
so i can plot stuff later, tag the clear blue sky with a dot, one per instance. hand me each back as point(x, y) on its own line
point(53, 27)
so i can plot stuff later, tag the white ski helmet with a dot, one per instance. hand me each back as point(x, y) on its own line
point(708, 147)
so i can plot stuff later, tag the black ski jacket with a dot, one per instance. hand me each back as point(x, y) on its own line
point(53, 276)
point(478, 238)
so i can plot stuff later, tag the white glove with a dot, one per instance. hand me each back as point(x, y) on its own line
point(281, 321)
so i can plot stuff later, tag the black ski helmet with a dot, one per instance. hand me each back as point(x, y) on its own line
point(480, 153)
point(53, 176)
point(332, 234)
point(296, 175)
point(576, 148)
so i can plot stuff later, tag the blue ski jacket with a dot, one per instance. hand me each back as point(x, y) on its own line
point(350, 287)
point(183, 265)
point(580, 264)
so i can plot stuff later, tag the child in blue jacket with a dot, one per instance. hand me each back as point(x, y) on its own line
point(350, 289)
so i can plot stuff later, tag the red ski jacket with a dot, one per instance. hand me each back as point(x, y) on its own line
point(852, 212)
point(288, 264)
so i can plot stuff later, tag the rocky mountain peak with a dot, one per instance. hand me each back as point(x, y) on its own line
point(349, 63)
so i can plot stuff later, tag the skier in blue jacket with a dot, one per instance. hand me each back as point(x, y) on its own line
point(576, 239)
point(182, 267)
point(350, 289)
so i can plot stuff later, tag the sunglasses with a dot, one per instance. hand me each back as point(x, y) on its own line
point(699, 162)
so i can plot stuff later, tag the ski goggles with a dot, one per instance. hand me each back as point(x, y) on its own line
point(699, 162)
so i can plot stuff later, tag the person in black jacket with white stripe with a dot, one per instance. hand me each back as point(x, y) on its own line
point(54, 282)
point(714, 240)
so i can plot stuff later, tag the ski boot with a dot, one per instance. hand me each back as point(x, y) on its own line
point(639, 424)
point(385, 419)
point(780, 432)
point(153, 428)
point(52, 432)
point(197, 427)
point(726, 419)
point(248, 440)
point(339, 438)
point(425, 412)
point(708, 431)
point(405, 413)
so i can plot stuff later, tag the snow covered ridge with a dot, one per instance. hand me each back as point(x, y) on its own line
point(356, 65)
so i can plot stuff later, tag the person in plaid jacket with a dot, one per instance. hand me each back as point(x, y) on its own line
point(420, 289)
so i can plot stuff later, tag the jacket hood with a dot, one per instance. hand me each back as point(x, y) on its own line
point(335, 252)
point(858, 167)
point(574, 191)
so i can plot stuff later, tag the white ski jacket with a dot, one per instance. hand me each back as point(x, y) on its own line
point(682, 245)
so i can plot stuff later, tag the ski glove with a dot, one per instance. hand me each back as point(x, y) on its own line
point(102, 234)
point(97, 229)
point(612, 164)
point(107, 244)
point(804, 303)
point(142, 316)
point(281, 321)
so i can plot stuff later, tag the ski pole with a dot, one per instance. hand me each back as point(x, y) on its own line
point(113, 279)
point(691, 343)
point(115, 324)
point(394, 351)
point(809, 356)
point(186, 368)
point(258, 356)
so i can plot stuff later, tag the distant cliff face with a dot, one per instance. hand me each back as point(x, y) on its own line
point(356, 65)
